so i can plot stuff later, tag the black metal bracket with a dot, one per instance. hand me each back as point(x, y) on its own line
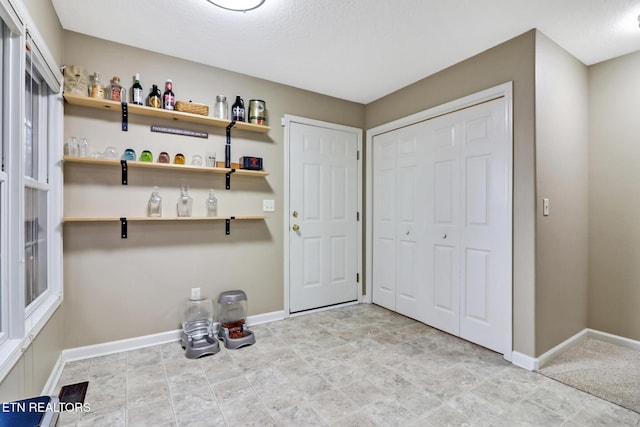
point(228, 183)
point(227, 155)
point(125, 172)
point(227, 148)
point(125, 117)
point(123, 228)
point(227, 223)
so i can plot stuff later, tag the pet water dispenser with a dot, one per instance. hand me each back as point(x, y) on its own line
point(199, 337)
point(232, 312)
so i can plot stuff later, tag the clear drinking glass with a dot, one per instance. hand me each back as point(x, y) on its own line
point(73, 148)
point(211, 160)
point(84, 147)
point(110, 153)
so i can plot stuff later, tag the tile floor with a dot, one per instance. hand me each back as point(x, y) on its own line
point(359, 365)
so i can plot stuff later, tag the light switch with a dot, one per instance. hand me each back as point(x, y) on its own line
point(545, 207)
point(268, 205)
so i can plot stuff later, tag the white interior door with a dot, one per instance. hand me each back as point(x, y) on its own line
point(323, 217)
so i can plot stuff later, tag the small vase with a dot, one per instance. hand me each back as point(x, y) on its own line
point(212, 204)
point(184, 202)
point(154, 207)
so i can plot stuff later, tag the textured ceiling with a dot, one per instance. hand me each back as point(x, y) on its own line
point(358, 50)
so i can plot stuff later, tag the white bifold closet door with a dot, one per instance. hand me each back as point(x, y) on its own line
point(399, 228)
point(440, 244)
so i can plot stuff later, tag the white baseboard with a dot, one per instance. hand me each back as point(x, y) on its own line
point(259, 319)
point(559, 349)
point(523, 361)
point(103, 349)
point(111, 347)
point(535, 364)
point(614, 339)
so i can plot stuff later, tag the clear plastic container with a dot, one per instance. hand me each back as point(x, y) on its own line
point(232, 309)
point(198, 316)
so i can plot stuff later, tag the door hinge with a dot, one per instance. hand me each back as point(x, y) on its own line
point(357, 277)
point(357, 216)
point(358, 155)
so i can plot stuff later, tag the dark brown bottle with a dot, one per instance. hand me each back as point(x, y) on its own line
point(155, 97)
point(237, 110)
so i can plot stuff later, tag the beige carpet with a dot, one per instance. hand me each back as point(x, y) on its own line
point(605, 370)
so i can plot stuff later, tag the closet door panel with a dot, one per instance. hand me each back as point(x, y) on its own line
point(411, 206)
point(442, 307)
point(384, 220)
point(484, 234)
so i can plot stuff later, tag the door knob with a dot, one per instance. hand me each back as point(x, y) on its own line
point(295, 227)
point(295, 214)
point(444, 236)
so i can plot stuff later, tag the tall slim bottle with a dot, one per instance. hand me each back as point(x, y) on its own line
point(137, 97)
point(168, 98)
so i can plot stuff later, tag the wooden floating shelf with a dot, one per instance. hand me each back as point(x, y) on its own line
point(165, 166)
point(141, 110)
point(151, 219)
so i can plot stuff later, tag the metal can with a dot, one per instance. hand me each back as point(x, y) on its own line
point(257, 112)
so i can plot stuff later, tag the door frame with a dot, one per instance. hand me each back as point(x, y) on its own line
point(505, 91)
point(286, 122)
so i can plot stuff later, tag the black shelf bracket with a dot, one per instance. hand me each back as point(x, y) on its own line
point(125, 172)
point(227, 154)
point(123, 228)
point(227, 225)
point(228, 175)
point(227, 148)
point(125, 117)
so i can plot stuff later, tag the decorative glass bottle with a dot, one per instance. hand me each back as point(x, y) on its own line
point(96, 89)
point(185, 202)
point(117, 93)
point(155, 203)
point(212, 204)
point(179, 159)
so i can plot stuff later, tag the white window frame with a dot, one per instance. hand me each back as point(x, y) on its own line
point(20, 325)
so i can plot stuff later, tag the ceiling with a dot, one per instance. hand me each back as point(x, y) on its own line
point(358, 50)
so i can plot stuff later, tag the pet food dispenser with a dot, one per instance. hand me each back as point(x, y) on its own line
point(232, 312)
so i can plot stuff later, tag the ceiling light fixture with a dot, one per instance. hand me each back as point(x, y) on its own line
point(237, 5)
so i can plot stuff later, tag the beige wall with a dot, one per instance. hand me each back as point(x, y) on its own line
point(614, 196)
point(120, 288)
point(562, 177)
point(46, 21)
point(510, 61)
point(29, 376)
